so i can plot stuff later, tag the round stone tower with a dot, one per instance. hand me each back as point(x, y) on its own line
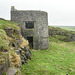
point(34, 26)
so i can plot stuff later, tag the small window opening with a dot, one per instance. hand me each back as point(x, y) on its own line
point(29, 24)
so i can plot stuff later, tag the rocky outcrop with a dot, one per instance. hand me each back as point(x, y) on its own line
point(11, 71)
point(16, 35)
point(25, 55)
point(4, 67)
point(12, 43)
point(62, 34)
point(23, 52)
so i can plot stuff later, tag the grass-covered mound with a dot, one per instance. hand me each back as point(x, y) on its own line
point(6, 42)
point(70, 28)
point(62, 34)
point(3, 36)
point(59, 59)
point(3, 39)
point(3, 47)
point(8, 24)
point(11, 40)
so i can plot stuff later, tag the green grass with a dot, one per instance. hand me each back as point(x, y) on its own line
point(70, 28)
point(3, 58)
point(3, 39)
point(3, 36)
point(8, 24)
point(61, 34)
point(59, 59)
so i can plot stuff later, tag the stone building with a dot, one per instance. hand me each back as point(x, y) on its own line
point(34, 26)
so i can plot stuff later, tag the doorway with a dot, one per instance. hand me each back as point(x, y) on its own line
point(30, 40)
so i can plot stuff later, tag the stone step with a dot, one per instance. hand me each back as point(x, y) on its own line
point(11, 71)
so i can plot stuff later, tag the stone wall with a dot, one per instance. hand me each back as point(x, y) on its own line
point(28, 32)
point(40, 30)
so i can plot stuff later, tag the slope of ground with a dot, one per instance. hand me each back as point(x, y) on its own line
point(62, 34)
point(59, 59)
point(10, 40)
point(70, 28)
point(4, 39)
point(8, 24)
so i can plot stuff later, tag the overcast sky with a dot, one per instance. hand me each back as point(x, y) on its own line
point(60, 12)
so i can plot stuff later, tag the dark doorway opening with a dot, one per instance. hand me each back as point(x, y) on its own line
point(30, 40)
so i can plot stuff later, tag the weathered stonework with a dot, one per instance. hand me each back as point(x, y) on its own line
point(39, 32)
point(4, 67)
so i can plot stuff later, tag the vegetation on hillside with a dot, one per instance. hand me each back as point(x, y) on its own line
point(3, 39)
point(70, 28)
point(62, 34)
point(3, 46)
point(7, 42)
point(3, 36)
point(59, 59)
point(9, 24)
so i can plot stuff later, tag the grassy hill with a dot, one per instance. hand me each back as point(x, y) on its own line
point(71, 28)
point(10, 40)
point(3, 36)
point(4, 39)
point(59, 59)
point(62, 34)
point(8, 24)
